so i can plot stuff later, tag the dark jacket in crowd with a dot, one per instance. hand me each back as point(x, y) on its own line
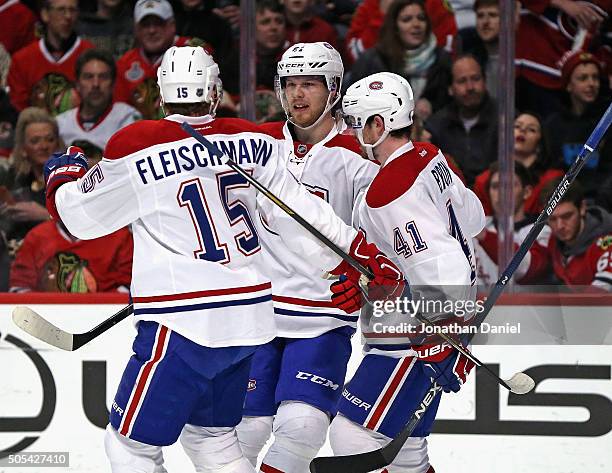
point(209, 27)
point(473, 151)
point(566, 133)
point(438, 75)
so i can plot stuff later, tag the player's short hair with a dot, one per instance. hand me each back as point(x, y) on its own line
point(575, 193)
point(96, 55)
point(405, 132)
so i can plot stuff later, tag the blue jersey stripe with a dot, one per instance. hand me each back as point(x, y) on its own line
point(202, 306)
point(295, 313)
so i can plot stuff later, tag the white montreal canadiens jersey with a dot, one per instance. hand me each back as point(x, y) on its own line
point(334, 171)
point(192, 216)
point(118, 116)
point(419, 213)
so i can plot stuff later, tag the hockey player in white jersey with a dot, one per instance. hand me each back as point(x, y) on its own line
point(200, 305)
point(296, 379)
point(420, 212)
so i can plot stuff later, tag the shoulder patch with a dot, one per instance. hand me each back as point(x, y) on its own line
point(394, 180)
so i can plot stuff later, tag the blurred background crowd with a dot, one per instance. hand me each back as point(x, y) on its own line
point(74, 72)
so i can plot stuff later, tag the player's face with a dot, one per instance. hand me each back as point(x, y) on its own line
point(584, 83)
point(468, 87)
point(566, 221)
point(95, 85)
point(40, 141)
point(306, 99)
point(269, 30)
point(487, 23)
point(527, 134)
point(520, 193)
point(154, 34)
point(412, 26)
point(60, 17)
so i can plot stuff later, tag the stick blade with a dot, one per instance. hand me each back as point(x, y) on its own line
point(34, 324)
point(358, 463)
point(521, 383)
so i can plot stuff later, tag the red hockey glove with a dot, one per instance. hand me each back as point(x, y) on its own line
point(61, 168)
point(444, 365)
point(388, 282)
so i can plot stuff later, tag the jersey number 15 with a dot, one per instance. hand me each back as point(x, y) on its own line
point(191, 194)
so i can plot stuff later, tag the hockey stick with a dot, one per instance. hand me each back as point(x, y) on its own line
point(37, 326)
point(520, 383)
point(377, 459)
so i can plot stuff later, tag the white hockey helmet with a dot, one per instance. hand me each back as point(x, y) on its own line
point(189, 75)
point(384, 93)
point(310, 59)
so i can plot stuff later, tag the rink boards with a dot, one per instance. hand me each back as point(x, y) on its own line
point(55, 401)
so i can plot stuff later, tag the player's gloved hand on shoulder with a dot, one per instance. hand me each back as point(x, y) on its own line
point(61, 168)
point(388, 282)
point(444, 365)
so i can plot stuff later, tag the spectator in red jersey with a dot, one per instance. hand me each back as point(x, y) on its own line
point(581, 243)
point(407, 46)
point(303, 26)
point(548, 29)
point(42, 74)
point(368, 19)
point(155, 32)
point(534, 267)
point(531, 152)
point(52, 260)
point(585, 100)
point(18, 25)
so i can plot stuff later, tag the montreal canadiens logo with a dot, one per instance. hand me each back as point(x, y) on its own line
point(376, 85)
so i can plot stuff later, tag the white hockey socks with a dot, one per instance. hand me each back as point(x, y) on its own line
point(253, 433)
point(300, 431)
point(214, 450)
point(129, 456)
